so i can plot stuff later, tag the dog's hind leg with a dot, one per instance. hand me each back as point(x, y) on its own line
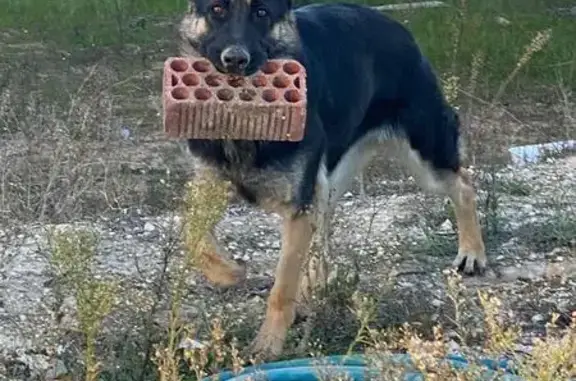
point(329, 189)
point(458, 187)
point(471, 251)
point(455, 184)
point(315, 275)
point(297, 233)
point(432, 131)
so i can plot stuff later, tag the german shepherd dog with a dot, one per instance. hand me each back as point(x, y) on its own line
point(368, 84)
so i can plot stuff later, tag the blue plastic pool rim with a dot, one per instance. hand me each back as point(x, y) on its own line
point(357, 366)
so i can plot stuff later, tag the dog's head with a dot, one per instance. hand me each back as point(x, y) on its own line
point(238, 36)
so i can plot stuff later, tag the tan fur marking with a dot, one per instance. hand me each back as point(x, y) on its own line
point(285, 30)
point(201, 26)
point(296, 238)
point(193, 26)
point(470, 243)
point(315, 269)
point(215, 264)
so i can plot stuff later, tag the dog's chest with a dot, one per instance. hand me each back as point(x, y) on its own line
point(269, 188)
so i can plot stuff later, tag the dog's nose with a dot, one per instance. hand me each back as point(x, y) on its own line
point(235, 58)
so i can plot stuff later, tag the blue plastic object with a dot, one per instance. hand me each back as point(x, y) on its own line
point(356, 366)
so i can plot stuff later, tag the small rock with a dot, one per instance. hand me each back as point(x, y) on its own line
point(527, 349)
point(57, 371)
point(446, 227)
point(503, 21)
point(189, 344)
point(437, 303)
point(17, 369)
point(538, 318)
point(255, 300)
point(149, 227)
point(453, 347)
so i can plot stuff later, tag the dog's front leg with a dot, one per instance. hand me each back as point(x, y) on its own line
point(297, 235)
point(206, 203)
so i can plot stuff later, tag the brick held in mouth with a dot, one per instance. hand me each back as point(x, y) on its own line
point(201, 103)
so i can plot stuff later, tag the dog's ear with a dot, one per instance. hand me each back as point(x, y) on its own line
point(194, 5)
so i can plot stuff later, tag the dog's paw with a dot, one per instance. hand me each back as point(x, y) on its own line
point(266, 346)
point(470, 262)
point(238, 272)
point(224, 272)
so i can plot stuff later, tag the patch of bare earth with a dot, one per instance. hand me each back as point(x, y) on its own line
point(379, 237)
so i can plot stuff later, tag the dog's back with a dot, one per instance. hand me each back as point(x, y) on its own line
point(366, 72)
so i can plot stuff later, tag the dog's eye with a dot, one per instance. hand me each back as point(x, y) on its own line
point(261, 12)
point(217, 10)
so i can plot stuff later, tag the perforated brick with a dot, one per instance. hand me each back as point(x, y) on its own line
point(201, 103)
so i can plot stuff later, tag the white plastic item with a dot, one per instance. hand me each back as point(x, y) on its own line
point(532, 153)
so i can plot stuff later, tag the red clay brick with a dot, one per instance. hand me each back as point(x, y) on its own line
point(201, 103)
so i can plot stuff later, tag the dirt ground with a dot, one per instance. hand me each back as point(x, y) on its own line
point(397, 243)
point(381, 236)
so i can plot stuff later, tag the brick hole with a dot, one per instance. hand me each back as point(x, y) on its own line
point(190, 79)
point(297, 82)
point(175, 80)
point(259, 81)
point(213, 80)
point(281, 81)
point(179, 65)
point(180, 93)
point(292, 96)
point(201, 66)
point(270, 95)
point(236, 81)
point(247, 95)
point(291, 68)
point(225, 94)
point(270, 67)
point(202, 94)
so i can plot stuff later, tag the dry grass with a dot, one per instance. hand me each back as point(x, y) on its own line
point(67, 155)
point(72, 260)
point(553, 358)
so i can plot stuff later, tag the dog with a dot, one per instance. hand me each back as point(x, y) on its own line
point(368, 87)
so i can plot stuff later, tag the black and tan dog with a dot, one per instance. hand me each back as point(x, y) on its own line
point(368, 84)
